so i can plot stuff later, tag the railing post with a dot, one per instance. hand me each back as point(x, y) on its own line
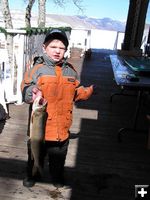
point(20, 64)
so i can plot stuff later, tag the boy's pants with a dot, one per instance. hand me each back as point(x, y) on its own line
point(56, 152)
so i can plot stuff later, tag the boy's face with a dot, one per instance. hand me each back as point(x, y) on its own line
point(55, 49)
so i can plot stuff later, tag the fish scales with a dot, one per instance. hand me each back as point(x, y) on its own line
point(37, 132)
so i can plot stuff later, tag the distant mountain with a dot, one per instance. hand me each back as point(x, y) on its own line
point(78, 22)
point(105, 23)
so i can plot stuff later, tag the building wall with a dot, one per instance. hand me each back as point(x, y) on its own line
point(99, 39)
point(95, 39)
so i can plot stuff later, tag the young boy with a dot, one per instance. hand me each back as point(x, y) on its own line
point(56, 80)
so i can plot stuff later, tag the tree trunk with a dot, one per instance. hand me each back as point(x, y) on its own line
point(42, 13)
point(8, 25)
point(28, 13)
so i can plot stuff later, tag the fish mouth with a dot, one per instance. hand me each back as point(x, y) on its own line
point(39, 103)
point(42, 101)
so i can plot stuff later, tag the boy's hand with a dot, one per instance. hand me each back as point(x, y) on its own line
point(36, 93)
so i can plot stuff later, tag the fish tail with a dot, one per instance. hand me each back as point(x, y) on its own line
point(37, 171)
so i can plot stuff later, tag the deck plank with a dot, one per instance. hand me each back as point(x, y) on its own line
point(97, 166)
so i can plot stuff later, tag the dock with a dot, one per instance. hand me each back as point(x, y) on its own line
point(98, 166)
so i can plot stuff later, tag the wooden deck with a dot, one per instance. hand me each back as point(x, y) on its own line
point(98, 167)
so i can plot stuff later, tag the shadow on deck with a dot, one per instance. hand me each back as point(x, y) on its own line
point(97, 166)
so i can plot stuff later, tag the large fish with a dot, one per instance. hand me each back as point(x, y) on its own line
point(37, 131)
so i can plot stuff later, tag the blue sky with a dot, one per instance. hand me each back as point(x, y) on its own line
point(115, 9)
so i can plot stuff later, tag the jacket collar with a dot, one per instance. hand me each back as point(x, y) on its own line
point(49, 62)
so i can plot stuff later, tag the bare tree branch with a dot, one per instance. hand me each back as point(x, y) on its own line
point(60, 3)
point(78, 4)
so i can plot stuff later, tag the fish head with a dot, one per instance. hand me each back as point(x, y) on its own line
point(39, 104)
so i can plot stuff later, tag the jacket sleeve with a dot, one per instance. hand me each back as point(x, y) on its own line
point(83, 93)
point(28, 83)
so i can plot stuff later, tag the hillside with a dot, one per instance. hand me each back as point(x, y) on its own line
point(81, 22)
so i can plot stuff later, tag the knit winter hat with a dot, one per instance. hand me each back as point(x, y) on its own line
point(56, 34)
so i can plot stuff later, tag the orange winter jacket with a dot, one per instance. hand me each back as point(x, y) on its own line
point(60, 87)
